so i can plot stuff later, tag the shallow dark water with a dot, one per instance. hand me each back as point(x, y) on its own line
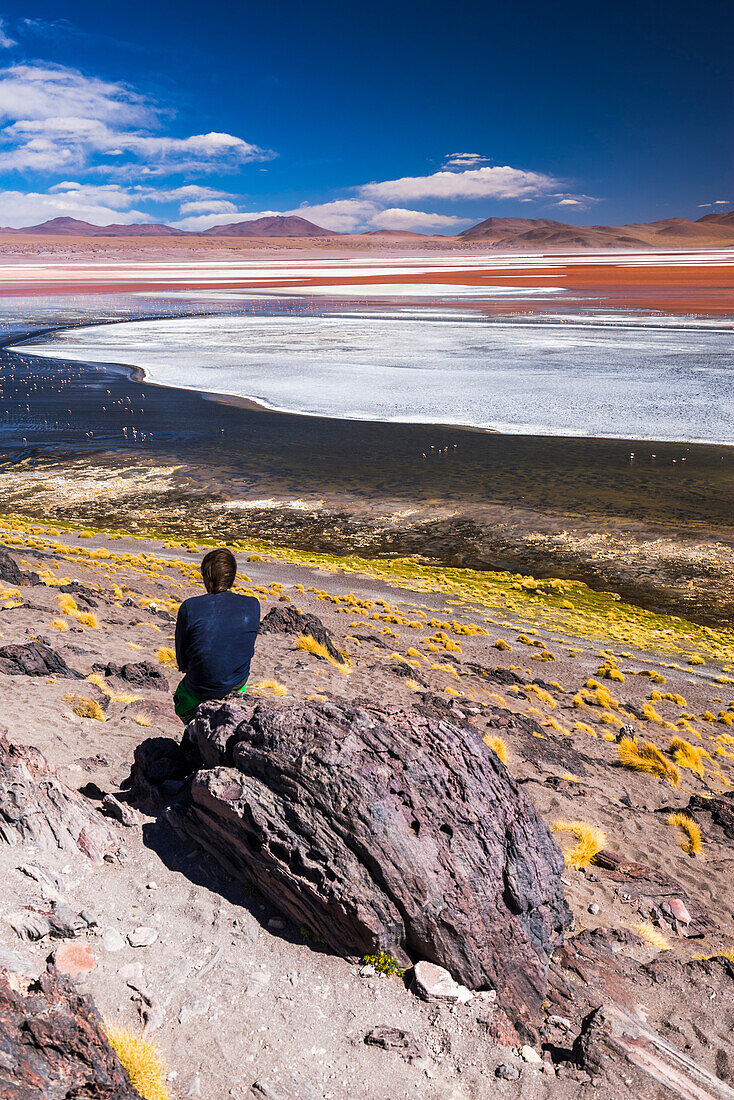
point(51, 409)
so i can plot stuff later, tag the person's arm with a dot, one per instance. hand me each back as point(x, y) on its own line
point(181, 658)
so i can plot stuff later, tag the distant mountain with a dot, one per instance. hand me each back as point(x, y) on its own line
point(719, 219)
point(508, 234)
point(391, 233)
point(291, 226)
point(541, 233)
point(72, 227)
point(261, 227)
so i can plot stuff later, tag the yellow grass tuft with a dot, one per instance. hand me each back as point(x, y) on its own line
point(67, 604)
point(310, 645)
point(142, 720)
point(694, 840)
point(589, 842)
point(502, 644)
point(265, 688)
point(87, 618)
point(688, 756)
point(498, 746)
point(166, 655)
point(652, 934)
point(59, 624)
point(85, 708)
point(647, 758)
point(141, 1062)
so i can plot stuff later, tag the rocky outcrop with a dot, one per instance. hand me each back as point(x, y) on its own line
point(382, 830)
point(628, 1058)
point(37, 807)
point(53, 1045)
point(34, 659)
point(141, 674)
point(11, 573)
point(289, 620)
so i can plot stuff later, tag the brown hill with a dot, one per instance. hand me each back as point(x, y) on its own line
point(504, 228)
point(72, 227)
point(391, 233)
point(291, 226)
point(540, 233)
point(725, 219)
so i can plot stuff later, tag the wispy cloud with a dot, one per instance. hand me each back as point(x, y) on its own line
point(465, 160)
point(6, 42)
point(497, 182)
point(341, 216)
point(59, 118)
point(397, 218)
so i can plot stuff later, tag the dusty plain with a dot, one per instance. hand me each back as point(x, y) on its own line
point(232, 994)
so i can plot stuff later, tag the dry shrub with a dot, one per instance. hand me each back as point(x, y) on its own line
point(141, 1062)
point(652, 934)
point(589, 842)
point(688, 756)
point(67, 604)
point(166, 655)
point(267, 688)
point(694, 840)
point(310, 645)
point(85, 708)
point(498, 746)
point(647, 758)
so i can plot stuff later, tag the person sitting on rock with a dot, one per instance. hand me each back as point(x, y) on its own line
point(215, 637)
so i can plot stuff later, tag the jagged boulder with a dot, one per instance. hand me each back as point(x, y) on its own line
point(37, 807)
point(382, 829)
point(141, 674)
point(289, 620)
point(34, 659)
point(53, 1045)
point(11, 573)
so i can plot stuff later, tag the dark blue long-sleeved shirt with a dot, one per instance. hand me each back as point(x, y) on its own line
point(215, 640)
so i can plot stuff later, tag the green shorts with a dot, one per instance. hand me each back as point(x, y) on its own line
point(185, 702)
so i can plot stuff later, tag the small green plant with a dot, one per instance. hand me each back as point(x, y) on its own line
point(384, 963)
point(309, 935)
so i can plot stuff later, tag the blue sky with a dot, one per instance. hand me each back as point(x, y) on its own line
point(397, 115)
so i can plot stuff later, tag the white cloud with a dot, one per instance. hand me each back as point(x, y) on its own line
point(21, 208)
point(397, 218)
point(465, 160)
point(569, 202)
point(198, 223)
point(59, 118)
point(39, 92)
point(341, 216)
point(722, 202)
point(5, 41)
point(211, 206)
point(475, 183)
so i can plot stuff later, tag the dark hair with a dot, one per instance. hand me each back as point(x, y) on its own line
point(219, 570)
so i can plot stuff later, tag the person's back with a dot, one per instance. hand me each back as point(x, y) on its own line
point(215, 637)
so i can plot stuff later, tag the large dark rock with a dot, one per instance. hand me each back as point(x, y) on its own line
point(289, 620)
point(53, 1045)
point(38, 808)
point(141, 674)
point(34, 659)
point(383, 830)
point(11, 573)
point(624, 1056)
